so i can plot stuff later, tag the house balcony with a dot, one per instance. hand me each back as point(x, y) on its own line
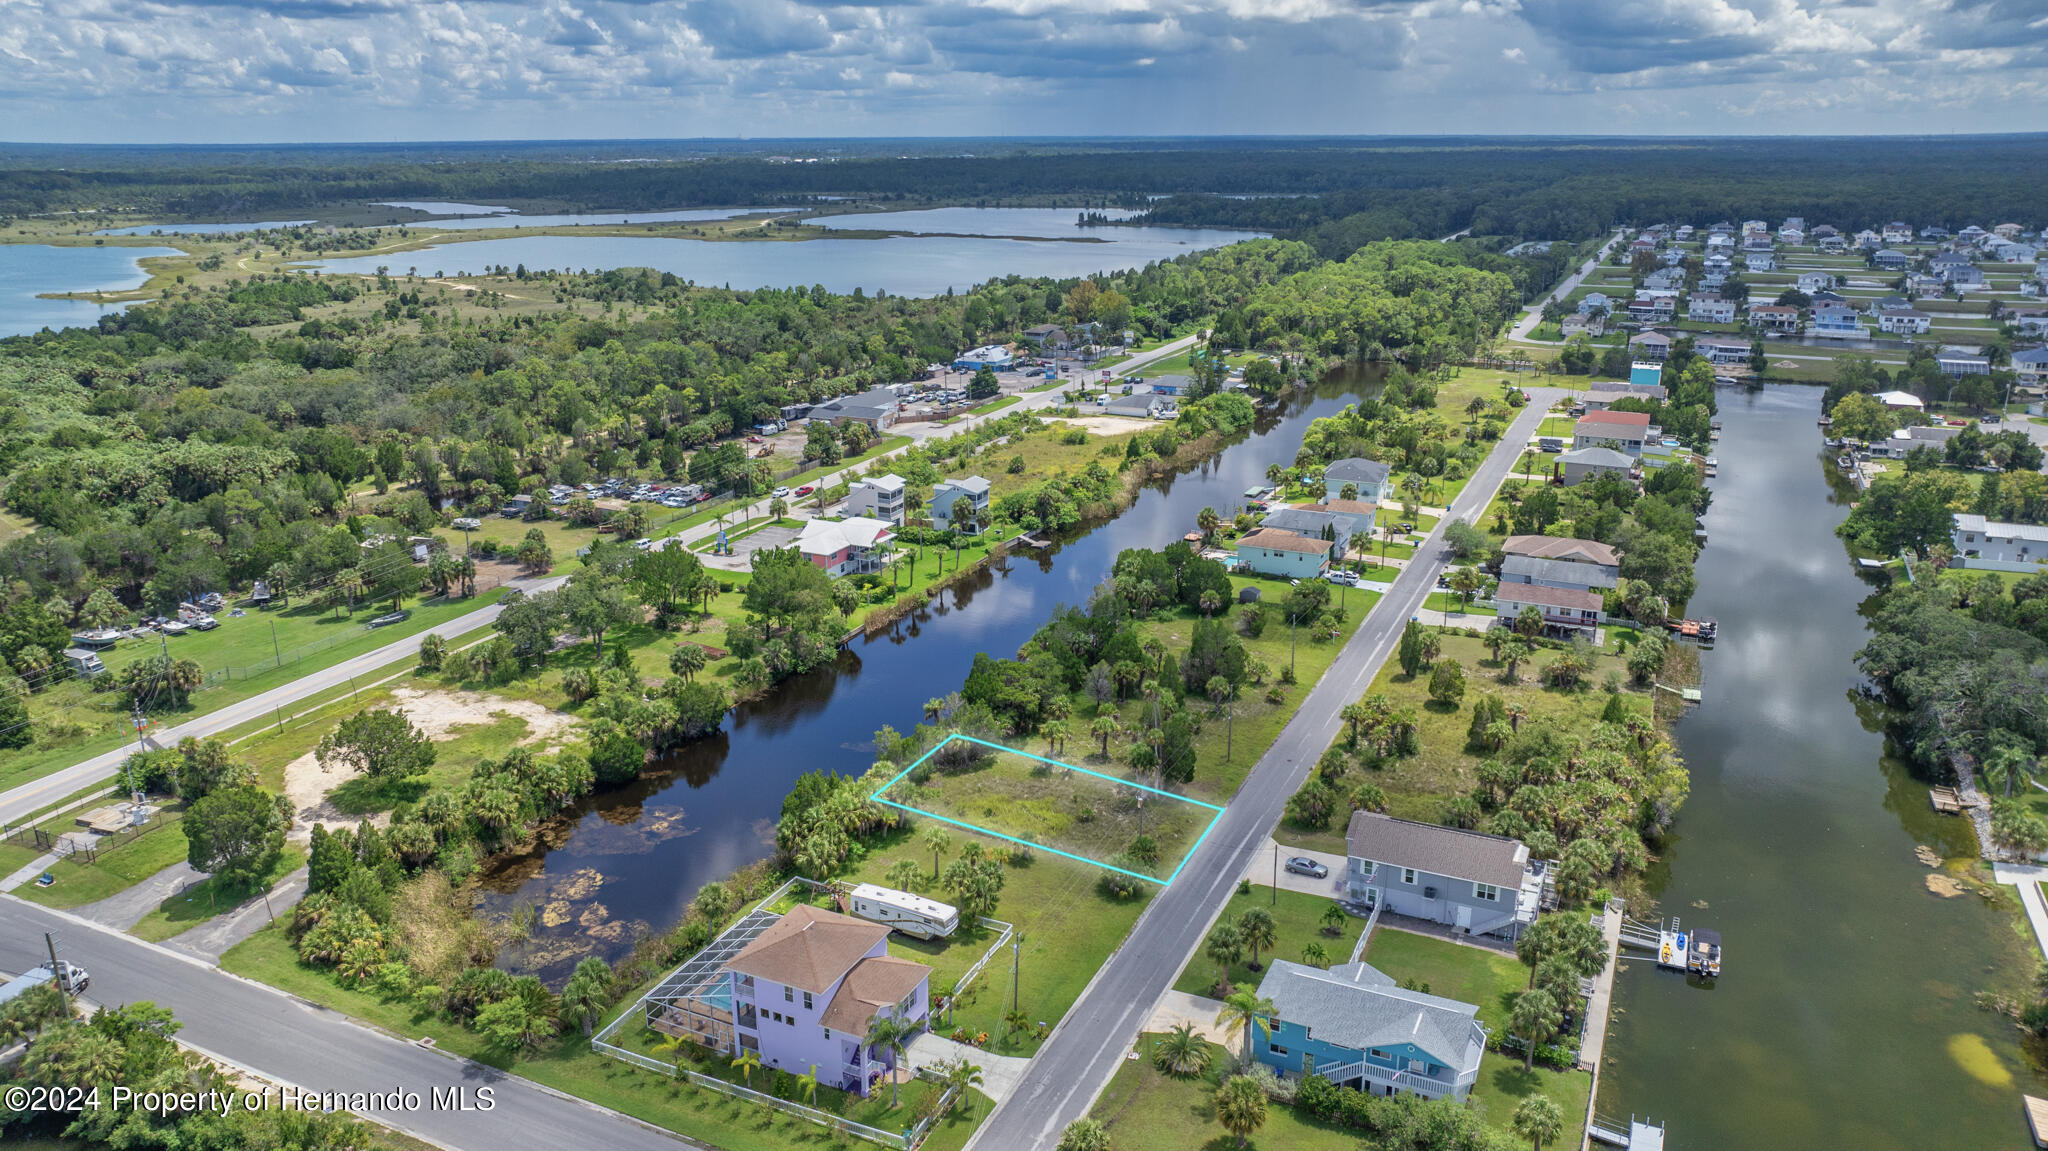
point(1424, 1085)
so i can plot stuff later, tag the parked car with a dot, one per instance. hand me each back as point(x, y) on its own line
point(779, 493)
point(807, 489)
point(1303, 865)
point(1348, 579)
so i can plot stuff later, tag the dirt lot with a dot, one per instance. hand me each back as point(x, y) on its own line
point(439, 715)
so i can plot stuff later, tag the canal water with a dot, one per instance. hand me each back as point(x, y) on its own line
point(1845, 1015)
point(631, 859)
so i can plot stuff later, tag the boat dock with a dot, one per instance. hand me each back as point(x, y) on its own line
point(1695, 952)
point(1947, 800)
point(1640, 1136)
point(2037, 1119)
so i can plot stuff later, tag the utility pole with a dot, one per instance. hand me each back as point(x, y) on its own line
point(1276, 873)
point(57, 973)
point(1016, 944)
point(273, 642)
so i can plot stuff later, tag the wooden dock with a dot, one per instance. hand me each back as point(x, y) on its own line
point(1947, 800)
point(2037, 1119)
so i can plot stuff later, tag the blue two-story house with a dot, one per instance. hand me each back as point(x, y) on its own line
point(1355, 1027)
point(1368, 476)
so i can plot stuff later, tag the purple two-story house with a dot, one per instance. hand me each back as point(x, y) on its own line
point(806, 990)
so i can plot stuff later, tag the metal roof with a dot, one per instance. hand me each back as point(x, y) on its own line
point(1358, 1007)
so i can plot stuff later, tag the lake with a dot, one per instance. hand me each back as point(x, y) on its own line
point(1056, 223)
point(900, 265)
point(29, 269)
point(1844, 1016)
point(633, 857)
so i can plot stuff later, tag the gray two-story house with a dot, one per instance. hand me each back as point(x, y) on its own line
point(947, 510)
point(1474, 883)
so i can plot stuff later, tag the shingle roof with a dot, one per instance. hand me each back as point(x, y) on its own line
point(1469, 855)
point(1356, 471)
point(874, 983)
point(1561, 548)
point(1310, 522)
point(1568, 599)
point(1360, 1008)
point(809, 949)
point(1598, 457)
point(1560, 571)
point(1634, 421)
point(1276, 539)
point(971, 484)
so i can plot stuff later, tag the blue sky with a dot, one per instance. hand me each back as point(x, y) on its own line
point(348, 70)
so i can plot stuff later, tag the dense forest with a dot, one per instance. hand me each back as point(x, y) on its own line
point(1334, 194)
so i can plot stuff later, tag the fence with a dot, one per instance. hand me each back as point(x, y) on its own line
point(906, 1140)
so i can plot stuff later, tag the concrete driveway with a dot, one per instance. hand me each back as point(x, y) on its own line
point(743, 550)
point(1177, 1007)
point(1259, 869)
point(1000, 1074)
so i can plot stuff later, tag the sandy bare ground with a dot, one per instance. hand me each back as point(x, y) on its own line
point(1111, 425)
point(441, 715)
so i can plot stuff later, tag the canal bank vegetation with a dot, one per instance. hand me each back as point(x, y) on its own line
point(1957, 659)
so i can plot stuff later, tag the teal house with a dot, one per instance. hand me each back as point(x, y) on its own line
point(1354, 1026)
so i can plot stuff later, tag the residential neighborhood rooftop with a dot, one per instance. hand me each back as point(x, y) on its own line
point(809, 949)
point(1357, 1006)
point(1561, 548)
point(1278, 539)
point(1449, 851)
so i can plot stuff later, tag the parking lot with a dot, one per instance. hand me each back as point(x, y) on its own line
point(744, 548)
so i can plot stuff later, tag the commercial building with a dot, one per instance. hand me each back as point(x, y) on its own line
point(994, 357)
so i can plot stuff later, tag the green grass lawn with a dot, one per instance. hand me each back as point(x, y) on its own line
point(1069, 930)
point(1147, 1110)
point(569, 1065)
point(207, 898)
point(117, 869)
point(1076, 812)
point(1297, 922)
point(1487, 979)
point(996, 405)
point(103, 717)
point(1556, 426)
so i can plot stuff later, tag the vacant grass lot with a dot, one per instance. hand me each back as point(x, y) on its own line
point(1080, 813)
point(1297, 922)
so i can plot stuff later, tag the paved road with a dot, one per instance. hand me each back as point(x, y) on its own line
point(37, 794)
point(1534, 315)
point(1091, 1042)
point(40, 793)
point(293, 1042)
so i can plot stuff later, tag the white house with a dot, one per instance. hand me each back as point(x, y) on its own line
point(1722, 349)
point(1904, 321)
point(1369, 476)
point(1760, 261)
point(842, 547)
point(1982, 543)
point(1582, 464)
point(1711, 308)
point(877, 496)
point(1811, 282)
point(1622, 431)
point(1567, 609)
point(1902, 400)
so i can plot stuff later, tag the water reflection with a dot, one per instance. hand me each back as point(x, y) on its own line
point(716, 801)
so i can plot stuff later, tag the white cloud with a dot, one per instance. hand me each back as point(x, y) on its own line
point(344, 69)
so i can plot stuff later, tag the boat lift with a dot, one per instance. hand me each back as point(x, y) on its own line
point(1696, 952)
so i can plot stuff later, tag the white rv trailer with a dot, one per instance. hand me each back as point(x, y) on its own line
point(903, 911)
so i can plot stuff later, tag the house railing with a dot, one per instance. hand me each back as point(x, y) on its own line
point(1360, 1067)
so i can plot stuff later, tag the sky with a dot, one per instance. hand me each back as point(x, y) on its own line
point(234, 71)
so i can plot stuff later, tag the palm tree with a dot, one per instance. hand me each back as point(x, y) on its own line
point(1241, 1106)
point(807, 1085)
point(887, 1033)
point(1535, 1018)
point(746, 1063)
point(904, 874)
point(1105, 725)
point(1356, 715)
point(674, 1046)
point(1313, 954)
point(933, 706)
point(1244, 1010)
point(1225, 947)
point(1180, 1052)
point(1538, 1119)
point(937, 842)
point(1256, 928)
point(687, 660)
point(2009, 765)
point(1208, 521)
point(777, 508)
point(1056, 734)
point(350, 585)
point(963, 1076)
point(1334, 920)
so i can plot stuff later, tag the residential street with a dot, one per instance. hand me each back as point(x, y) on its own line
point(293, 1042)
point(1090, 1044)
point(35, 795)
point(1534, 315)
